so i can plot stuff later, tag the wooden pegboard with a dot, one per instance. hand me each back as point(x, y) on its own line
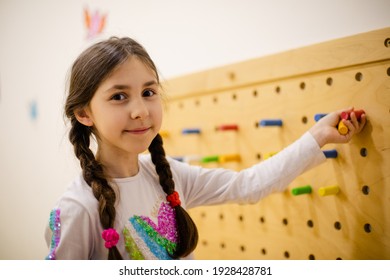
point(293, 86)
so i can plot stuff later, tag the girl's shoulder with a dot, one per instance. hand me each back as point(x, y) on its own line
point(79, 188)
point(78, 194)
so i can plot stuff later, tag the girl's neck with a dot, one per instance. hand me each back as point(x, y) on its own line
point(119, 167)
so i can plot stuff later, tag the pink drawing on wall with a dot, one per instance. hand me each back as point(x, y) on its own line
point(94, 23)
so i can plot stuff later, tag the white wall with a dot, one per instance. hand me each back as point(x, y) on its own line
point(40, 39)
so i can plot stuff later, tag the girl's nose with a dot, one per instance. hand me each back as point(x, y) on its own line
point(138, 109)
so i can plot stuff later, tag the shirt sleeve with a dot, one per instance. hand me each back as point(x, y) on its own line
point(68, 231)
point(202, 186)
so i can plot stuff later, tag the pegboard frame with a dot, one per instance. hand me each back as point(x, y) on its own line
point(298, 84)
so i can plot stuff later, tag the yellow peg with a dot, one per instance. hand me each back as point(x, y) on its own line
point(226, 158)
point(331, 190)
point(342, 128)
point(270, 155)
point(164, 133)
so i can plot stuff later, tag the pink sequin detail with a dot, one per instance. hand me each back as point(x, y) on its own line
point(166, 220)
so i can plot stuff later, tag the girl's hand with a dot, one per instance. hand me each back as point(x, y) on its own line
point(325, 130)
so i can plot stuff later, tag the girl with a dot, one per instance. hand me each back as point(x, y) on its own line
point(130, 205)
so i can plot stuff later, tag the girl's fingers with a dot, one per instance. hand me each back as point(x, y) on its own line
point(354, 125)
point(362, 122)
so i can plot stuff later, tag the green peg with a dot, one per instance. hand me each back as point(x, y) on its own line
point(301, 190)
point(210, 159)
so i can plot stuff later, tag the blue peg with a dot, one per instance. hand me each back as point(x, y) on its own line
point(271, 122)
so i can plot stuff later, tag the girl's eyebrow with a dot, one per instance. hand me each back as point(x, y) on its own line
point(150, 83)
point(122, 87)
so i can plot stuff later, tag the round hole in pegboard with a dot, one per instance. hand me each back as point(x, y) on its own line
point(366, 190)
point(181, 105)
point(222, 245)
point(203, 214)
point(363, 152)
point(302, 85)
point(312, 257)
point(242, 248)
point(358, 76)
point(329, 81)
point(388, 71)
point(234, 96)
point(204, 243)
point(197, 102)
point(304, 120)
point(367, 228)
point(241, 218)
point(387, 42)
point(278, 89)
point(338, 259)
point(215, 100)
point(285, 222)
point(286, 254)
point(258, 156)
point(310, 223)
point(337, 225)
point(263, 251)
point(254, 93)
point(221, 216)
point(257, 125)
point(262, 220)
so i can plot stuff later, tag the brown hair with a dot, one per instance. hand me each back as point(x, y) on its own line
point(88, 71)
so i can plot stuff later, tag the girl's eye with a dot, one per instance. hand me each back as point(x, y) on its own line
point(118, 97)
point(148, 93)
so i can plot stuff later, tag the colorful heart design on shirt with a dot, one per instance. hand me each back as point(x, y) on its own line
point(159, 239)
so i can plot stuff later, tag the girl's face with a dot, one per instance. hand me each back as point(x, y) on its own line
point(126, 110)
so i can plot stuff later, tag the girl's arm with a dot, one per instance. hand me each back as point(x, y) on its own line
point(202, 186)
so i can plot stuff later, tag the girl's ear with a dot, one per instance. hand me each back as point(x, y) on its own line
point(83, 116)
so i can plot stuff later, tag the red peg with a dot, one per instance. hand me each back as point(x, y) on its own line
point(228, 127)
point(347, 115)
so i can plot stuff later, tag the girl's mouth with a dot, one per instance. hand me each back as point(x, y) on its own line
point(140, 130)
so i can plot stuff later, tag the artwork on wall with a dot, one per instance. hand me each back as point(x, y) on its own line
point(33, 110)
point(94, 22)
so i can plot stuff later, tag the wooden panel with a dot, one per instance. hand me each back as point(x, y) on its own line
point(293, 86)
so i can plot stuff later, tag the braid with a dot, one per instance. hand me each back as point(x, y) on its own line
point(93, 174)
point(88, 71)
point(187, 231)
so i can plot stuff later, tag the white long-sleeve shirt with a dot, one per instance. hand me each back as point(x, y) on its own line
point(144, 219)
